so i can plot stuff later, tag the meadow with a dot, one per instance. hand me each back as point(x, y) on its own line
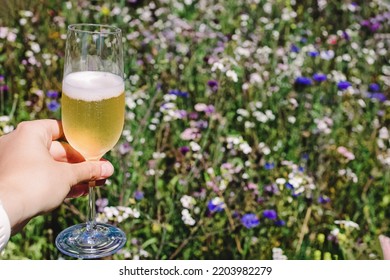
point(255, 129)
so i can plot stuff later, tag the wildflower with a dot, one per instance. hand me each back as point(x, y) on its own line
point(343, 85)
point(125, 148)
point(373, 87)
point(270, 214)
point(378, 96)
point(346, 36)
point(294, 48)
point(269, 166)
point(327, 55)
point(280, 223)
point(347, 154)
point(313, 53)
point(138, 195)
point(347, 224)
point(101, 203)
point(53, 105)
point(271, 189)
point(187, 201)
point(53, 94)
point(190, 134)
point(216, 205)
point(250, 220)
point(323, 199)
point(277, 254)
point(186, 217)
point(213, 84)
point(318, 77)
point(184, 149)
point(179, 93)
point(303, 81)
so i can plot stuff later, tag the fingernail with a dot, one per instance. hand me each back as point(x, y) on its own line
point(107, 169)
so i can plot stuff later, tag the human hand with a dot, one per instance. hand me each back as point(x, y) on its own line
point(37, 172)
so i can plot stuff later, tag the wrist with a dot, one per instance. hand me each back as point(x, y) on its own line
point(13, 208)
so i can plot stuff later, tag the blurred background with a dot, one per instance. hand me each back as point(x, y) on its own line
point(255, 129)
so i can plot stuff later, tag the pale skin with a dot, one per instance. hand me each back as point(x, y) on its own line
point(38, 171)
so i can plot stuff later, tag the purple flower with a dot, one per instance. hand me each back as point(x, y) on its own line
point(378, 96)
point(52, 94)
point(365, 23)
point(201, 124)
point(323, 199)
point(319, 77)
point(250, 220)
point(215, 205)
point(375, 26)
point(303, 81)
point(53, 105)
point(125, 148)
point(289, 186)
point(213, 84)
point(101, 203)
point(3, 88)
point(373, 87)
point(272, 189)
point(184, 150)
point(138, 195)
point(270, 214)
point(343, 85)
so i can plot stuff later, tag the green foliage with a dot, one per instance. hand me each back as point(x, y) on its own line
point(215, 115)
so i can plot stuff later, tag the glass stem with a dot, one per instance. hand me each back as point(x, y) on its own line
point(91, 215)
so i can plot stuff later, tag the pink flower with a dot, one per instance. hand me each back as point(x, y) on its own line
point(190, 134)
point(347, 154)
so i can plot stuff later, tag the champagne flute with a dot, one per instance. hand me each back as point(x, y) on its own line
point(93, 104)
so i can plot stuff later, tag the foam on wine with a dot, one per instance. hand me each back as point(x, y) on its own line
point(92, 85)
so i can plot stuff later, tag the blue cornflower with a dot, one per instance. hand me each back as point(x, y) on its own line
point(269, 166)
point(294, 48)
point(303, 81)
point(313, 53)
point(53, 105)
point(374, 87)
point(378, 96)
point(343, 85)
point(289, 186)
point(52, 94)
point(250, 220)
point(280, 223)
point(179, 93)
point(319, 77)
point(216, 205)
point(270, 214)
point(138, 195)
point(346, 36)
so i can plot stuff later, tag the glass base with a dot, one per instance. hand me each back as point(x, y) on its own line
point(104, 240)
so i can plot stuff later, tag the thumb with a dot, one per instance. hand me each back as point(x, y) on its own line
point(92, 170)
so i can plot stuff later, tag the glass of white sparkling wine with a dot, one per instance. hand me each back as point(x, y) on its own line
point(93, 105)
